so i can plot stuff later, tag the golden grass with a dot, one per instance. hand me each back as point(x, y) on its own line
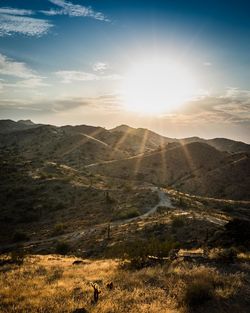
point(52, 284)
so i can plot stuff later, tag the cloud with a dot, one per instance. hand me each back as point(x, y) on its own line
point(106, 102)
point(100, 67)
point(19, 70)
point(13, 68)
point(18, 21)
point(13, 21)
point(207, 63)
point(33, 82)
point(70, 9)
point(232, 107)
point(13, 11)
point(69, 76)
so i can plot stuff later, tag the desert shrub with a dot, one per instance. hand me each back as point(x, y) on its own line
point(125, 214)
point(239, 231)
point(62, 247)
point(128, 187)
point(137, 252)
point(59, 229)
point(41, 271)
point(109, 199)
point(228, 255)
point(178, 221)
point(17, 256)
point(197, 293)
point(162, 209)
point(56, 274)
point(19, 236)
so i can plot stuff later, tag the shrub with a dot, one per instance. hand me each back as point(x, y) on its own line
point(197, 293)
point(55, 275)
point(137, 252)
point(19, 236)
point(227, 255)
point(59, 229)
point(178, 221)
point(17, 257)
point(62, 247)
point(129, 213)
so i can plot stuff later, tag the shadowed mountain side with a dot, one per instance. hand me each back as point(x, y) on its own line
point(229, 181)
point(45, 199)
point(174, 166)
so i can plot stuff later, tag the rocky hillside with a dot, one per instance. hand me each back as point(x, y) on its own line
point(196, 168)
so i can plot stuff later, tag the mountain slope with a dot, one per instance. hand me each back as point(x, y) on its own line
point(187, 167)
point(58, 144)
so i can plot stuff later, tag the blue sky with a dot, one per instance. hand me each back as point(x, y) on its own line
point(67, 62)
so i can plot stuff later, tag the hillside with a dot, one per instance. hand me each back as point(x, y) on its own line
point(82, 205)
point(43, 198)
point(221, 144)
point(214, 168)
point(144, 139)
point(196, 167)
point(59, 144)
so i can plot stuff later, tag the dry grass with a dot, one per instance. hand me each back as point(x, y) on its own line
point(52, 284)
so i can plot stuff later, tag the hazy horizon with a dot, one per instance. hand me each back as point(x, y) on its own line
point(135, 127)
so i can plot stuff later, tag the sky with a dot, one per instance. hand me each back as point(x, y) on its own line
point(180, 68)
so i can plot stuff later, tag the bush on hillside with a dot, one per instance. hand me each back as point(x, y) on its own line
point(137, 252)
point(197, 293)
point(178, 221)
point(62, 247)
point(19, 236)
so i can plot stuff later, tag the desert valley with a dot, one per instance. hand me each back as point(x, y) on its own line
point(128, 201)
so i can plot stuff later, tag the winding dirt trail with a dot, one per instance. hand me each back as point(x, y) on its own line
point(75, 236)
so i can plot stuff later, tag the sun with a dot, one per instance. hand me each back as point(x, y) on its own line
point(156, 87)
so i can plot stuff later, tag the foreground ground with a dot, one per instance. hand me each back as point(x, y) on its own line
point(53, 284)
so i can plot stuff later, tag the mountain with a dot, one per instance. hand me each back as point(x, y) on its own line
point(153, 139)
point(67, 145)
point(8, 126)
point(221, 144)
point(216, 168)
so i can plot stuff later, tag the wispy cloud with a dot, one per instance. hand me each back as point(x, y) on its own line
point(19, 21)
point(70, 9)
point(100, 67)
point(14, 69)
point(70, 76)
point(15, 21)
point(231, 107)
point(13, 11)
point(107, 102)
